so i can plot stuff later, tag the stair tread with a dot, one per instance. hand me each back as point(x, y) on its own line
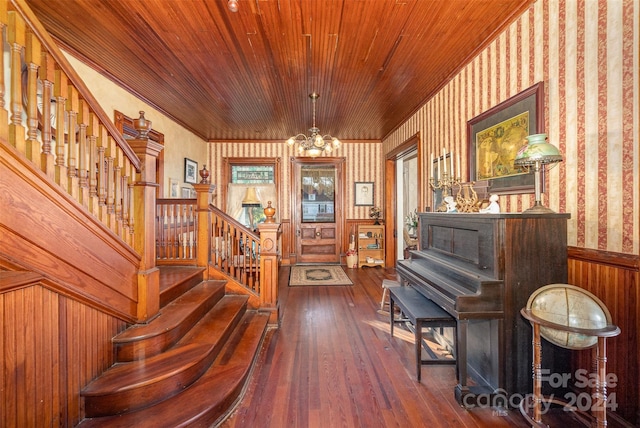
point(125, 376)
point(173, 314)
point(201, 340)
point(213, 324)
point(207, 399)
point(170, 275)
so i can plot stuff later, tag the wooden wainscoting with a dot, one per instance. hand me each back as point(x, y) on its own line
point(614, 278)
point(286, 246)
point(51, 347)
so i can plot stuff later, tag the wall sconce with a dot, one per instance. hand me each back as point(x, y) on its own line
point(232, 5)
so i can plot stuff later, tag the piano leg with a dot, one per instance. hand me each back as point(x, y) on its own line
point(461, 361)
point(391, 320)
point(418, 347)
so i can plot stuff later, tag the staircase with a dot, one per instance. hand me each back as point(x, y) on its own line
point(185, 367)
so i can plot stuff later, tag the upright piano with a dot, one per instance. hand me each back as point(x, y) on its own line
point(481, 269)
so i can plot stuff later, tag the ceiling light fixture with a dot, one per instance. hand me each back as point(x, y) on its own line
point(314, 144)
point(232, 5)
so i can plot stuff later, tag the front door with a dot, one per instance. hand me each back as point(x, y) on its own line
point(317, 210)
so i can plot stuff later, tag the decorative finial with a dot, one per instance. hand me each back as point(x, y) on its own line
point(269, 212)
point(142, 125)
point(204, 175)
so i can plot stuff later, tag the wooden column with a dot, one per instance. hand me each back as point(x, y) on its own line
point(269, 265)
point(203, 240)
point(145, 232)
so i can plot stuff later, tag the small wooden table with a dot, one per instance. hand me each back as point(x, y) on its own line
point(421, 312)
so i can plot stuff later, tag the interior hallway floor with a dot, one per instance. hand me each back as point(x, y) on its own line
point(332, 363)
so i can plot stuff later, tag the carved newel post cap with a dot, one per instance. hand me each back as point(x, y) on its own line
point(142, 125)
point(204, 175)
point(269, 212)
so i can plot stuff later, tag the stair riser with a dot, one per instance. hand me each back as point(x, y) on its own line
point(209, 331)
point(147, 347)
point(128, 401)
point(176, 291)
point(207, 400)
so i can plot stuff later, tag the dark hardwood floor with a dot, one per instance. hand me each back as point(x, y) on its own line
point(333, 363)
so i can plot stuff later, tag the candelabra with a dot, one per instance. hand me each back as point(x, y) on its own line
point(444, 182)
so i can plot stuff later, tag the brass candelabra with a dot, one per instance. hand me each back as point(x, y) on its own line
point(444, 182)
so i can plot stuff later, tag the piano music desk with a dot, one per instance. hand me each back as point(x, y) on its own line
point(422, 313)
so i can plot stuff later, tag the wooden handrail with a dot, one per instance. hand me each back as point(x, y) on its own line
point(192, 231)
point(60, 132)
point(235, 250)
point(51, 48)
point(94, 164)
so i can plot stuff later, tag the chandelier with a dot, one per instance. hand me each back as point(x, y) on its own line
point(314, 144)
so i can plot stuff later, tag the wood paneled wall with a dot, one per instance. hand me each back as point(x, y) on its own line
point(51, 346)
point(615, 279)
point(45, 231)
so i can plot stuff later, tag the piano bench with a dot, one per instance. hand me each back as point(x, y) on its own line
point(422, 313)
point(386, 284)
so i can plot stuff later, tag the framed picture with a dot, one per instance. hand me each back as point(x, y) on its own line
point(187, 193)
point(190, 171)
point(495, 136)
point(174, 186)
point(363, 193)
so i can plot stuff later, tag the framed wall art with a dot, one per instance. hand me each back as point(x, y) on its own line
point(495, 136)
point(173, 188)
point(188, 193)
point(363, 193)
point(190, 171)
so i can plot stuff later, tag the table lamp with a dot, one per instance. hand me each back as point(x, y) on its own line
point(537, 153)
point(251, 201)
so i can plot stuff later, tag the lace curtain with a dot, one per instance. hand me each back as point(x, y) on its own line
point(237, 192)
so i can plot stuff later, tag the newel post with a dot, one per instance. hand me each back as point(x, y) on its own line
point(269, 265)
point(144, 196)
point(203, 195)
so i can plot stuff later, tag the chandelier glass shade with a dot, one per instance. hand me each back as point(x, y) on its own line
point(315, 143)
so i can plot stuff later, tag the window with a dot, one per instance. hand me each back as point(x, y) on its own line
point(250, 176)
point(318, 194)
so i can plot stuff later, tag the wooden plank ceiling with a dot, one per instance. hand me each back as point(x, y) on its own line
point(248, 75)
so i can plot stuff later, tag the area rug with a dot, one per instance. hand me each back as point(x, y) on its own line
point(318, 275)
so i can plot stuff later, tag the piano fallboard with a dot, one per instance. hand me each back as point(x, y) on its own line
point(462, 297)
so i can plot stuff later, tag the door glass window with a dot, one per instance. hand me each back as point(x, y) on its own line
point(318, 194)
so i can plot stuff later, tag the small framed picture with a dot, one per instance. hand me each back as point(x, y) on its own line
point(190, 171)
point(186, 193)
point(363, 193)
point(174, 186)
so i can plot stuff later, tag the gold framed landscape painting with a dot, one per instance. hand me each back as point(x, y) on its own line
point(495, 136)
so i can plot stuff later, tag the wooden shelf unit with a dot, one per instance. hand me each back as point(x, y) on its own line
point(371, 244)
